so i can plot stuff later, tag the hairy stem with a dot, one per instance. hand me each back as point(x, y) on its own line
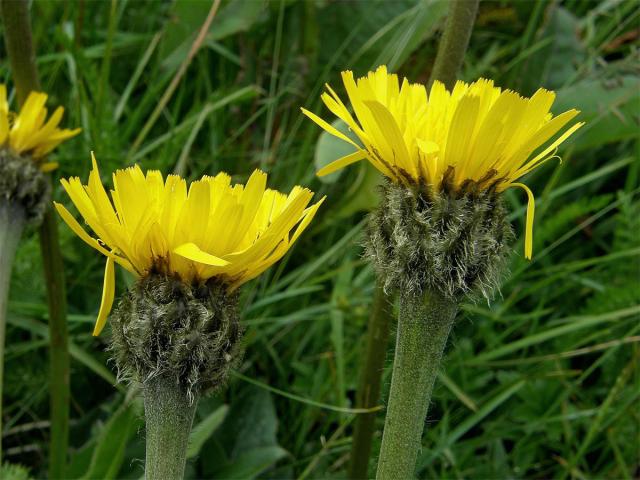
point(11, 226)
point(17, 36)
point(368, 393)
point(457, 32)
point(169, 415)
point(18, 39)
point(423, 328)
point(59, 377)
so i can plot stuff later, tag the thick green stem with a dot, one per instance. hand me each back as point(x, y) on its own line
point(11, 226)
point(457, 32)
point(168, 412)
point(423, 328)
point(18, 39)
point(368, 394)
point(59, 377)
point(17, 36)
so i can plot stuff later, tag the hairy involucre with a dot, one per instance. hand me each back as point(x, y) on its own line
point(452, 242)
point(163, 326)
point(23, 185)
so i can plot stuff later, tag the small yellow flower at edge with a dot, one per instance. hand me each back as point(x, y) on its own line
point(27, 132)
point(478, 131)
point(209, 229)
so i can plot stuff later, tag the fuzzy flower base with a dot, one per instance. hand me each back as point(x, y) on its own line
point(164, 327)
point(453, 242)
point(23, 185)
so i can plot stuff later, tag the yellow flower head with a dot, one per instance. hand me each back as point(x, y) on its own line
point(210, 229)
point(27, 132)
point(477, 132)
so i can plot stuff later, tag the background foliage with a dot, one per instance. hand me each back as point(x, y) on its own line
point(542, 383)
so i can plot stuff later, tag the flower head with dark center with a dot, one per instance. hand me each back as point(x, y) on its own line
point(29, 132)
point(208, 229)
point(475, 133)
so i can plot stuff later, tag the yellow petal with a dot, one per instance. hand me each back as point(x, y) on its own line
point(342, 162)
point(308, 216)
point(4, 114)
point(85, 237)
point(389, 126)
point(328, 127)
point(542, 155)
point(193, 252)
point(108, 293)
point(47, 167)
point(528, 236)
point(427, 147)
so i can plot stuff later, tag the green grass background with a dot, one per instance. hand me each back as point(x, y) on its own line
point(541, 383)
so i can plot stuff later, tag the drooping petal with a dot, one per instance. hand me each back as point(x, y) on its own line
point(108, 294)
point(531, 205)
point(211, 229)
point(478, 131)
point(4, 114)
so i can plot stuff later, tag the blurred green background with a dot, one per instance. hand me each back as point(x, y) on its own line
point(541, 383)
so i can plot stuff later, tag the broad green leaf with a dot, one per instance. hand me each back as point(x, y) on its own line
point(610, 108)
point(563, 51)
point(203, 430)
point(248, 437)
point(108, 454)
point(383, 32)
point(252, 462)
point(364, 194)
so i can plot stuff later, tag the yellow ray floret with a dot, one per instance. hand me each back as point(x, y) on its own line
point(476, 132)
point(29, 132)
point(210, 228)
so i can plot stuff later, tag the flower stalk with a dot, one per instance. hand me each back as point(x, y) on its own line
point(59, 374)
point(168, 412)
point(448, 61)
point(442, 229)
point(18, 40)
point(176, 332)
point(19, 44)
point(199, 333)
point(11, 225)
point(424, 324)
point(368, 394)
point(455, 40)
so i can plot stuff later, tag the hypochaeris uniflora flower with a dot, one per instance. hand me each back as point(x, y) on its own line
point(25, 140)
point(29, 132)
point(211, 229)
point(478, 133)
